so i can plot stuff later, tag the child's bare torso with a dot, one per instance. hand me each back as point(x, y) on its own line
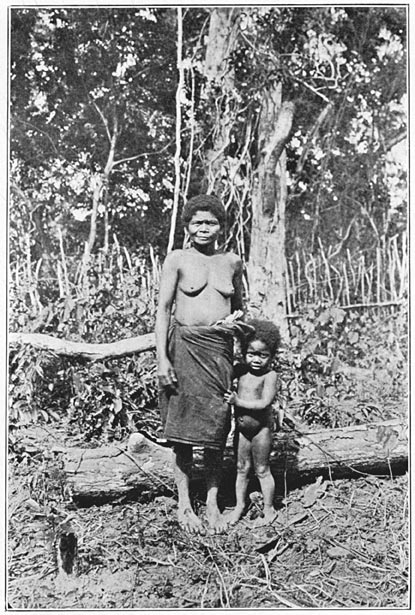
point(250, 422)
point(251, 386)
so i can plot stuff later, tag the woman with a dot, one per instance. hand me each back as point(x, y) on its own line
point(194, 348)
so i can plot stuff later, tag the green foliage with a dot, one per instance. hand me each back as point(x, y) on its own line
point(344, 177)
point(341, 368)
point(81, 77)
point(99, 399)
point(116, 300)
point(112, 398)
point(345, 367)
point(39, 387)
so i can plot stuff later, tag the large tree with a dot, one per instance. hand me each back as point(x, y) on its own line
point(297, 120)
point(288, 113)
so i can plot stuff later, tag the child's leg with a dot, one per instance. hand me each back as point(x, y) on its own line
point(242, 477)
point(261, 449)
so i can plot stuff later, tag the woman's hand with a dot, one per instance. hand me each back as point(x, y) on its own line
point(166, 374)
point(230, 397)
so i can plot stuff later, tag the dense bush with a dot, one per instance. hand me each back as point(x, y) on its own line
point(346, 367)
point(100, 399)
point(116, 299)
point(340, 368)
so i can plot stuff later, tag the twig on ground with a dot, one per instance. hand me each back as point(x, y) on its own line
point(312, 598)
point(202, 601)
point(288, 603)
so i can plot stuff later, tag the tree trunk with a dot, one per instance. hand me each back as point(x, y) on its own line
point(99, 183)
point(143, 466)
point(220, 82)
point(267, 263)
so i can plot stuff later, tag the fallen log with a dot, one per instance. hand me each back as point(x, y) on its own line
point(109, 472)
point(84, 350)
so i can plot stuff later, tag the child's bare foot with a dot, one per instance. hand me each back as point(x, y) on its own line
point(234, 515)
point(189, 522)
point(217, 522)
point(268, 518)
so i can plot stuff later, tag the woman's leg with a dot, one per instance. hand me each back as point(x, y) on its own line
point(213, 468)
point(242, 477)
point(183, 458)
point(261, 449)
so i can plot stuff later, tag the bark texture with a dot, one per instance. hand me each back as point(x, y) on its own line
point(143, 466)
point(267, 263)
point(219, 75)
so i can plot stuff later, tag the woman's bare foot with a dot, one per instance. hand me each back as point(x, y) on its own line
point(268, 518)
point(234, 515)
point(217, 522)
point(189, 522)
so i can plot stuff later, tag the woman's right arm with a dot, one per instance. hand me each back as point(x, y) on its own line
point(167, 294)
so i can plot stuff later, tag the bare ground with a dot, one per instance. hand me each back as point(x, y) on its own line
point(335, 544)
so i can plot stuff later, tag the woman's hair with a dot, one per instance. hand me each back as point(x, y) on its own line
point(203, 202)
point(266, 332)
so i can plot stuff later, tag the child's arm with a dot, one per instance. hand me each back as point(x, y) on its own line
point(268, 394)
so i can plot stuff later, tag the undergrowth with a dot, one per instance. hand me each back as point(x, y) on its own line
point(339, 368)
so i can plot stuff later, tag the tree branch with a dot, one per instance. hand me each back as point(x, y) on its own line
point(309, 87)
point(397, 138)
point(83, 350)
point(160, 151)
point(104, 120)
point(41, 131)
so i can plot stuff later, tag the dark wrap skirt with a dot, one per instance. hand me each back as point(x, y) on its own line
point(195, 412)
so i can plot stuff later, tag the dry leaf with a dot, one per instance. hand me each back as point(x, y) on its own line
point(338, 552)
point(313, 492)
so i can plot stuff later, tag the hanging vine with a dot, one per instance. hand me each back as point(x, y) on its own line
point(179, 93)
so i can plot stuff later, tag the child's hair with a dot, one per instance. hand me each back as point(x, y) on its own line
point(203, 202)
point(266, 332)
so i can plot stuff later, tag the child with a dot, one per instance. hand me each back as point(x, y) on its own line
point(257, 388)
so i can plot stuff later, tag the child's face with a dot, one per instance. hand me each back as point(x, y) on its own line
point(258, 356)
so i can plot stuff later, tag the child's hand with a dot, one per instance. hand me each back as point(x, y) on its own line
point(230, 397)
point(233, 316)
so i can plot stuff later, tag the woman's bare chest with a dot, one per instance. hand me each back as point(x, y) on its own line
point(199, 273)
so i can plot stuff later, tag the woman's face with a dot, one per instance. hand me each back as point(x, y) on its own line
point(203, 228)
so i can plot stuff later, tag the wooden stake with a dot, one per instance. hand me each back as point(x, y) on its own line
point(63, 258)
point(346, 283)
point(378, 267)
